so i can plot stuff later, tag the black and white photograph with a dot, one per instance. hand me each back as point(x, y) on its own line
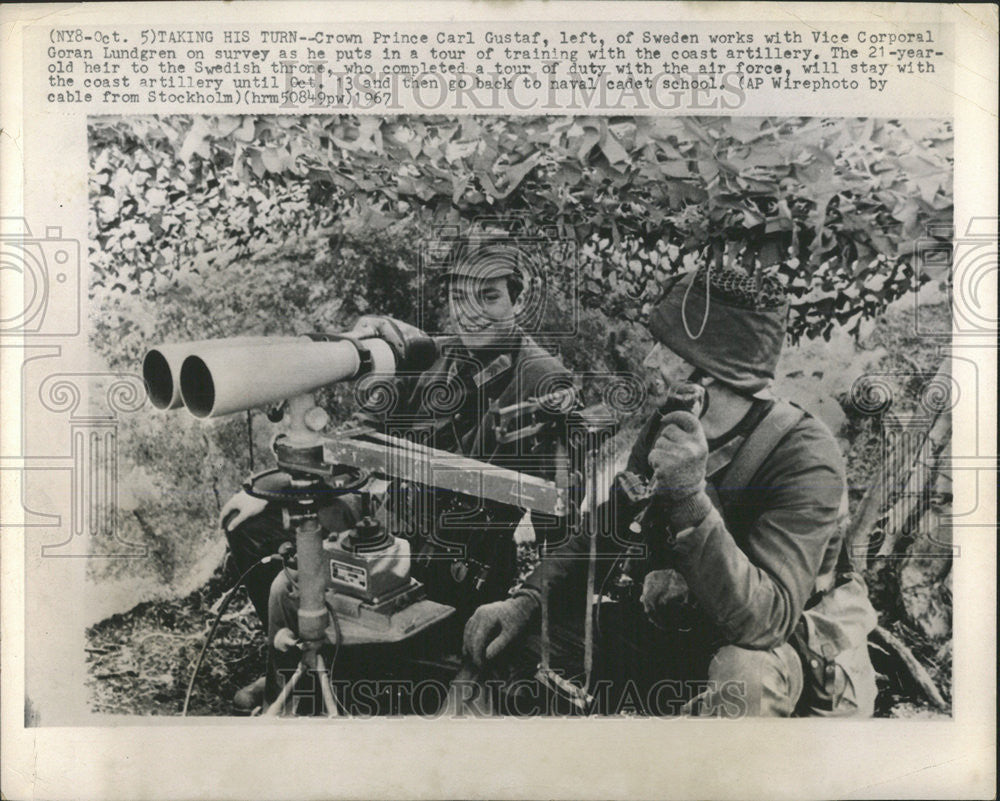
point(525, 416)
point(470, 400)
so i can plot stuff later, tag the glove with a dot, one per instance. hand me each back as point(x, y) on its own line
point(239, 508)
point(678, 460)
point(679, 457)
point(493, 626)
point(664, 592)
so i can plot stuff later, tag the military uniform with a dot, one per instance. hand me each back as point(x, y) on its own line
point(463, 548)
point(751, 615)
point(765, 598)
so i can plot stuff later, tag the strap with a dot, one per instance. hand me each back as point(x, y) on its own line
point(782, 418)
point(719, 459)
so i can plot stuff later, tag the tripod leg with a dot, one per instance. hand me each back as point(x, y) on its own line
point(591, 517)
point(275, 709)
point(324, 684)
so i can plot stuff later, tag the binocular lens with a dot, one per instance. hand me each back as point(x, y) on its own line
point(197, 387)
point(158, 379)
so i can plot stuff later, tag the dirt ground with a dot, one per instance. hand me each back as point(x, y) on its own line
point(140, 661)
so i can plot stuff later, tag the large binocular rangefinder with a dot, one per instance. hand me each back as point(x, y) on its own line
point(219, 376)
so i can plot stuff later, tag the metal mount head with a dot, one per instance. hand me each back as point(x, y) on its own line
point(304, 480)
point(305, 493)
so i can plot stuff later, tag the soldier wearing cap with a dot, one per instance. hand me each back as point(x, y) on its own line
point(487, 362)
point(748, 606)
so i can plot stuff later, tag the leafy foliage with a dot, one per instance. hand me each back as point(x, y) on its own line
point(213, 226)
point(836, 206)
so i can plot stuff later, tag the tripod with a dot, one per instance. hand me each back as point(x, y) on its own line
point(313, 619)
point(312, 484)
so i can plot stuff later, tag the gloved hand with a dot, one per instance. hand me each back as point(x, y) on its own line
point(239, 508)
point(493, 626)
point(679, 457)
point(663, 594)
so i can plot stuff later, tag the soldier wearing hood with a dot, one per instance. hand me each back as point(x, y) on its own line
point(748, 605)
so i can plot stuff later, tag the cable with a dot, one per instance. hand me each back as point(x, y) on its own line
point(684, 300)
point(336, 645)
point(336, 651)
point(250, 437)
point(215, 626)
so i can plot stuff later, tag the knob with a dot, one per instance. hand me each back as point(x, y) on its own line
point(481, 578)
point(287, 553)
point(459, 570)
point(316, 418)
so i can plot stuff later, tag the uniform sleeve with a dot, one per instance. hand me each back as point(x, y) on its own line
point(566, 565)
point(755, 594)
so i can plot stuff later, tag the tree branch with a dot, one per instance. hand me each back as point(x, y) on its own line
point(916, 670)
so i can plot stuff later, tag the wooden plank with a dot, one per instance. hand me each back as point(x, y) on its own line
point(410, 461)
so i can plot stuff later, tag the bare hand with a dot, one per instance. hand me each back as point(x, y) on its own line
point(239, 508)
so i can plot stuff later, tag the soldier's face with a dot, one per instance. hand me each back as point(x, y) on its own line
point(481, 310)
point(664, 368)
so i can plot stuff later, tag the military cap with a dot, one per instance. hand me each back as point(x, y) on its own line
point(485, 255)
